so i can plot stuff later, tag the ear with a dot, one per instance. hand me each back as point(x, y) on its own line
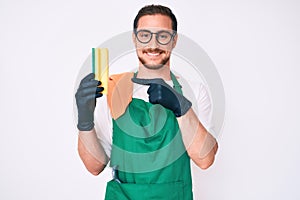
point(174, 41)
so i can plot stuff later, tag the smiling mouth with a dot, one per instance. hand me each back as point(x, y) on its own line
point(153, 54)
point(154, 58)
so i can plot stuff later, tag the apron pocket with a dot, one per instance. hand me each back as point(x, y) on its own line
point(131, 191)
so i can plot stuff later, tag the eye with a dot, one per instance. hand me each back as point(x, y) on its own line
point(164, 35)
point(144, 34)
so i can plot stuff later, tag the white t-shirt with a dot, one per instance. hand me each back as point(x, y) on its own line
point(195, 91)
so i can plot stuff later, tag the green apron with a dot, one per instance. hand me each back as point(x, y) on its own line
point(151, 158)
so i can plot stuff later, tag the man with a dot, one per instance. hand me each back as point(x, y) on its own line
point(145, 125)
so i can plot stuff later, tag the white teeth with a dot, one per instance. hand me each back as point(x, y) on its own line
point(152, 54)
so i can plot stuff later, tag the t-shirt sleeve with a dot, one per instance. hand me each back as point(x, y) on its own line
point(198, 94)
point(103, 124)
point(204, 106)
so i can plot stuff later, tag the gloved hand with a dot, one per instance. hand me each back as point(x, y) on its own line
point(86, 95)
point(161, 93)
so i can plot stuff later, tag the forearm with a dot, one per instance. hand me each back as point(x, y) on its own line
point(91, 152)
point(200, 144)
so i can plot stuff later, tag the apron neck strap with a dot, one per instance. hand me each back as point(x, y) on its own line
point(176, 84)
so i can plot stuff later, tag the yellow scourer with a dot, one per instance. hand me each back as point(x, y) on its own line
point(100, 66)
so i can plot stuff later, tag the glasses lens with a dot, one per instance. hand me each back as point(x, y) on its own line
point(164, 37)
point(144, 36)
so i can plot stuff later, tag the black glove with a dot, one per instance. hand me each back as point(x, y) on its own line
point(86, 95)
point(161, 93)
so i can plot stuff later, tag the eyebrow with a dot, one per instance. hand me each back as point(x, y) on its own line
point(156, 31)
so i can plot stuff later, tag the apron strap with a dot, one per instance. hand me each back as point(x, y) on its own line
point(176, 84)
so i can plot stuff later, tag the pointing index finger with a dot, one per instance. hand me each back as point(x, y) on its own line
point(148, 81)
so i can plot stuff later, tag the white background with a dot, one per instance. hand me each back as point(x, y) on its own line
point(254, 45)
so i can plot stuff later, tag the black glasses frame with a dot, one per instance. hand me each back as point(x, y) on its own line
point(172, 35)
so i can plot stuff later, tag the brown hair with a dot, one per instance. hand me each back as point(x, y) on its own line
point(155, 9)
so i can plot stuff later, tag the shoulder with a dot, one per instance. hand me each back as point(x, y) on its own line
point(119, 94)
point(193, 89)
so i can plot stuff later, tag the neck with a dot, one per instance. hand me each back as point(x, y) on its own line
point(146, 73)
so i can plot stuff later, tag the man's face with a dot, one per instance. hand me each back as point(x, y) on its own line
point(152, 54)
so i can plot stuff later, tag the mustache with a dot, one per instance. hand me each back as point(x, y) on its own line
point(153, 50)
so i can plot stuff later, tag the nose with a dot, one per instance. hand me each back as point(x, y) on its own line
point(153, 42)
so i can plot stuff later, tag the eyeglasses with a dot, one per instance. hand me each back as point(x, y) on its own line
point(162, 37)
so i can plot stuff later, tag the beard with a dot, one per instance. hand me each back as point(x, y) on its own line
point(154, 66)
